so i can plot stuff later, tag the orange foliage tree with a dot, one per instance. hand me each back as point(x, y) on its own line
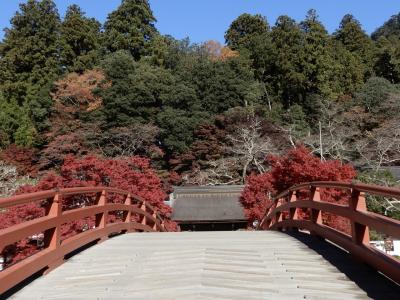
point(75, 91)
point(219, 52)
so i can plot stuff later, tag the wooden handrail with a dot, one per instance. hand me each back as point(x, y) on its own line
point(55, 249)
point(282, 213)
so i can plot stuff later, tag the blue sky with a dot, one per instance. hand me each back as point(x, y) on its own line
point(202, 20)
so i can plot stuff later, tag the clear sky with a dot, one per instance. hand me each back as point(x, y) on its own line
point(201, 20)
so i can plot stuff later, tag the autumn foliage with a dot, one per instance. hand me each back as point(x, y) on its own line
point(76, 91)
point(218, 52)
point(133, 174)
point(297, 166)
point(24, 159)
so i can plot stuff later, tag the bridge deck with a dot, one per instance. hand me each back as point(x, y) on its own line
point(208, 265)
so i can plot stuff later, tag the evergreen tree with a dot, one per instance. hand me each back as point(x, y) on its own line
point(348, 70)
point(81, 40)
point(244, 29)
point(352, 35)
point(286, 76)
point(374, 93)
point(222, 85)
point(130, 27)
point(387, 60)
point(355, 40)
point(15, 125)
point(29, 62)
point(316, 61)
point(30, 51)
point(138, 90)
point(389, 28)
point(177, 127)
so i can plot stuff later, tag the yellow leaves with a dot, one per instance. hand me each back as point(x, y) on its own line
point(218, 52)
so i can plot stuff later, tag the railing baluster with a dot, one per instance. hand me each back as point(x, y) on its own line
point(316, 214)
point(101, 218)
point(128, 213)
point(293, 215)
point(359, 232)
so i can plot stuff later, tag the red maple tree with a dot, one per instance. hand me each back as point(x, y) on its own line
point(23, 158)
point(133, 174)
point(297, 166)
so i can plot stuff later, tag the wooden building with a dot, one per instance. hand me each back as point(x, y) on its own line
point(210, 208)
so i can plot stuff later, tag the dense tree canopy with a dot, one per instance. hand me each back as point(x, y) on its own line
point(130, 27)
point(80, 40)
point(390, 28)
point(245, 28)
point(203, 113)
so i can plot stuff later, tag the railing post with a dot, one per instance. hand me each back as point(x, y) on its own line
point(144, 208)
point(101, 218)
point(128, 213)
point(52, 236)
point(278, 215)
point(315, 214)
point(293, 214)
point(359, 232)
point(271, 221)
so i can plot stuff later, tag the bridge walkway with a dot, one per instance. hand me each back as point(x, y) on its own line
point(211, 265)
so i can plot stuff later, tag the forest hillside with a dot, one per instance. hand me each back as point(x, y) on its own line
point(75, 92)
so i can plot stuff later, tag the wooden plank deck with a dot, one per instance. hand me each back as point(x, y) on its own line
point(209, 265)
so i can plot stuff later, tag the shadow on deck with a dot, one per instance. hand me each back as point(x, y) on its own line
point(376, 285)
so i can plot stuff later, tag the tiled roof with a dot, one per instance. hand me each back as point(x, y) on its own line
point(207, 204)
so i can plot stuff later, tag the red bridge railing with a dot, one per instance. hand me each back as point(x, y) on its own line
point(283, 213)
point(136, 215)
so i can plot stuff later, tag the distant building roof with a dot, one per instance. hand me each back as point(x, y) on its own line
point(207, 204)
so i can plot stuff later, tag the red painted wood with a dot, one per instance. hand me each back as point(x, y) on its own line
point(55, 249)
point(360, 219)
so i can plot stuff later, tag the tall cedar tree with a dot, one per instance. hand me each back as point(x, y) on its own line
point(80, 40)
point(354, 39)
point(244, 29)
point(387, 62)
point(249, 34)
point(389, 28)
point(130, 27)
point(316, 60)
point(286, 60)
point(30, 50)
point(30, 61)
